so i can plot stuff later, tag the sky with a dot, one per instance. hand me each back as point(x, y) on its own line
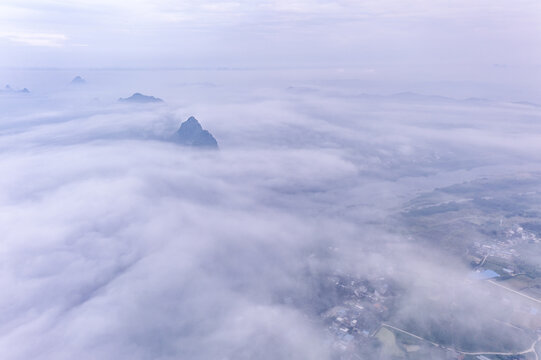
point(272, 33)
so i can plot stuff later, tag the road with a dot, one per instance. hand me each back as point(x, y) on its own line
point(514, 291)
point(410, 334)
point(531, 349)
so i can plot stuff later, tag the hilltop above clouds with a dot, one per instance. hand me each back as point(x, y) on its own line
point(191, 133)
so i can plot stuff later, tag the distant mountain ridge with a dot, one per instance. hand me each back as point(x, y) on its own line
point(141, 99)
point(9, 89)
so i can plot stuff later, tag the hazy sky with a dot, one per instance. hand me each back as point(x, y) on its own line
point(372, 34)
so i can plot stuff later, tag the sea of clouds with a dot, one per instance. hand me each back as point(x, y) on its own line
point(117, 243)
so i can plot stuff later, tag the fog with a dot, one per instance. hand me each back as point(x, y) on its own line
point(374, 193)
point(119, 243)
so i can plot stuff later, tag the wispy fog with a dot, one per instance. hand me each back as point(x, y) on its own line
point(351, 180)
point(119, 243)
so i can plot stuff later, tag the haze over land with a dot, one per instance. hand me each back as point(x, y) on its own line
point(375, 168)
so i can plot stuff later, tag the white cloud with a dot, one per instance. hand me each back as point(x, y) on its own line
point(35, 39)
point(117, 243)
point(275, 33)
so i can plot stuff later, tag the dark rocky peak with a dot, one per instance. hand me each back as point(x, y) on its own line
point(190, 125)
point(191, 133)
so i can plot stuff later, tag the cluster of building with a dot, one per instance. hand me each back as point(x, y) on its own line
point(365, 304)
point(503, 248)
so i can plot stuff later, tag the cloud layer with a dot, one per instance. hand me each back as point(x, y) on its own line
point(117, 243)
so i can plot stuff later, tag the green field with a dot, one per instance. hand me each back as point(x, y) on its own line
point(388, 340)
